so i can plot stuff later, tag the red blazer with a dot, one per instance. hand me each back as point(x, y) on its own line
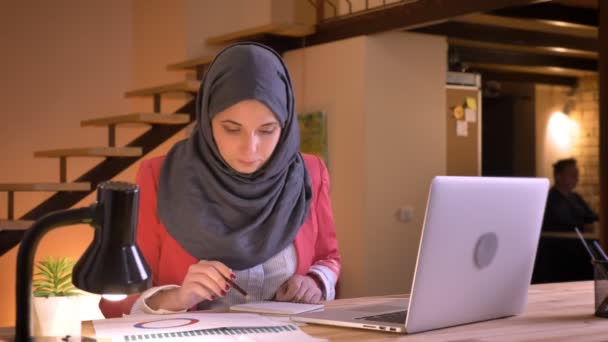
point(315, 242)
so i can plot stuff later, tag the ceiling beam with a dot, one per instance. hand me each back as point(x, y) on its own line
point(503, 35)
point(554, 27)
point(554, 12)
point(523, 48)
point(407, 15)
point(477, 55)
point(492, 75)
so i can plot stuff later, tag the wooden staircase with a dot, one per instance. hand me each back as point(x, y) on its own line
point(117, 158)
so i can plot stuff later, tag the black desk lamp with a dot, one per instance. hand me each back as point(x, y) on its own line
point(112, 264)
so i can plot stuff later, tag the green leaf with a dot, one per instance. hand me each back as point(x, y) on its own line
point(43, 270)
point(64, 288)
point(53, 276)
point(66, 268)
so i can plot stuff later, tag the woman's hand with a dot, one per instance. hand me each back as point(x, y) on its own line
point(299, 289)
point(203, 281)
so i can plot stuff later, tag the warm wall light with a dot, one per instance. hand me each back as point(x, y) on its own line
point(562, 129)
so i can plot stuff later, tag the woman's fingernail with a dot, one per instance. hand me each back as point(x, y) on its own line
point(224, 293)
point(227, 287)
point(213, 297)
point(232, 276)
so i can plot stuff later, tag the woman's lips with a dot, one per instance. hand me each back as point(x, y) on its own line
point(248, 162)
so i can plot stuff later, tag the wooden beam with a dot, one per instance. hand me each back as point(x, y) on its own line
point(553, 12)
point(91, 152)
point(277, 29)
point(51, 187)
point(139, 118)
point(504, 35)
point(476, 55)
point(524, 77)
point(191, 64)
point(603, 111)
point(554, 27)
point(178, 87)
point(544, 70)
point(405, 16)
point(523, 48)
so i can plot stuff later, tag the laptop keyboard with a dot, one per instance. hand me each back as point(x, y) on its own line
point(389, 317)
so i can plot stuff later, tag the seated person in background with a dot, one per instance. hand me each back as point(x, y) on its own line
point(566, 209)
point(236, 199)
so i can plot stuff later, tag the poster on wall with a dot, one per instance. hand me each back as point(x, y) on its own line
point(313, 134)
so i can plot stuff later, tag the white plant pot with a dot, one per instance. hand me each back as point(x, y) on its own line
point(56, 316)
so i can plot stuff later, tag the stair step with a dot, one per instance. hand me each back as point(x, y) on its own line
point(79, 186)
point(179, 87)
point(286, 30)
point(15, 225)
point(92, 152)
point(190, 64)
point(139, 118)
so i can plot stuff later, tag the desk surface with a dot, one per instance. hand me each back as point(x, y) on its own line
point(559, 311)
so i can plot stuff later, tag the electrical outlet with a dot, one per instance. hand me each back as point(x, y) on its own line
point(405, 214)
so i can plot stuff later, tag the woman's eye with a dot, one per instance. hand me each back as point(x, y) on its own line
point(231, 129)
point(267, 131)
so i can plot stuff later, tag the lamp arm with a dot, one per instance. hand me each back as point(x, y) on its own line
point(25, 260)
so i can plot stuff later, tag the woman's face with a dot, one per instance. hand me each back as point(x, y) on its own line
point(246, 134)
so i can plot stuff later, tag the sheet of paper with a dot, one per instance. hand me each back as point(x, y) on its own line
point(276, 308)
point(196, 325)
point(462, 128)
point(470, 115)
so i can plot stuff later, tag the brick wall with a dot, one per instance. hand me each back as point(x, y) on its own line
point(586, 147)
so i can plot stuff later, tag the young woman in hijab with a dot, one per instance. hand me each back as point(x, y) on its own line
point(236, 199)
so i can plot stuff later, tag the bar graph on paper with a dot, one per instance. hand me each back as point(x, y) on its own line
point(218, 334)
point(197, 326)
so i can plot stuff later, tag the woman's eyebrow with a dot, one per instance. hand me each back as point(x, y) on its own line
point(269, 124)
point(232, 122)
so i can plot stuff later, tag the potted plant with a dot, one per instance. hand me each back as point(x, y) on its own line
point(56, 303)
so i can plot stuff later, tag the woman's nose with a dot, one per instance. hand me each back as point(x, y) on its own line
point(249, 143)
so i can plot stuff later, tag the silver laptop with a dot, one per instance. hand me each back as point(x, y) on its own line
point(475, 258)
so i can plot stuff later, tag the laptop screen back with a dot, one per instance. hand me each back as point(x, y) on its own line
point(477, 250)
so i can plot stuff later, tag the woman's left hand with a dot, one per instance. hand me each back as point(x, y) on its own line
point(299, 289)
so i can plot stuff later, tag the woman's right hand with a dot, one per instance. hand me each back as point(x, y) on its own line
point(203, 281)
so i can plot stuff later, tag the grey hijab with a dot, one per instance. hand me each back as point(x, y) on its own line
point(215, 212)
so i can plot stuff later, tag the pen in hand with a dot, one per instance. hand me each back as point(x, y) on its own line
point(236, 286)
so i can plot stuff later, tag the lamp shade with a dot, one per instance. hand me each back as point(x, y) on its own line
point(113, 264)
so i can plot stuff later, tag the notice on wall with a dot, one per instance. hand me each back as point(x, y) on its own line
point(471, 103)
point(458, 112)
point(462, 128)
point(470, 115)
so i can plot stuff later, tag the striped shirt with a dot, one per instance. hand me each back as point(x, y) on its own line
point(261, 283)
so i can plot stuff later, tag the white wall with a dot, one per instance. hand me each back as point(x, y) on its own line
point(386, 141)
point(405, 147)
point(331, 78)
